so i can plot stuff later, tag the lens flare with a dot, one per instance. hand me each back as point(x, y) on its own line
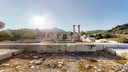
point(39, 20)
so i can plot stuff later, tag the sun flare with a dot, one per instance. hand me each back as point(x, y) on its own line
point(39, 20)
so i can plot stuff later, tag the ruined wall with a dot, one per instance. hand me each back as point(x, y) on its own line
point(65, 47)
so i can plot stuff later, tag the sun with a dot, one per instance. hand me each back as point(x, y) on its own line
point(39, 20)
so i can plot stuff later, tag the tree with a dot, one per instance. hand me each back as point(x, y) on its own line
point(4, 36)
point(106, 35)
point(125, 31)
point(98, 36)
point(15, 36)
point(82, 33)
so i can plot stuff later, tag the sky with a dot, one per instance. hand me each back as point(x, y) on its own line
point(44, 14)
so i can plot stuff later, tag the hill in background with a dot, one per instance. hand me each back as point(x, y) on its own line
point(120, 29)
point(95, 31)
point(54, 30)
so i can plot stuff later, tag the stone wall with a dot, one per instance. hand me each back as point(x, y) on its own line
point(65, 47)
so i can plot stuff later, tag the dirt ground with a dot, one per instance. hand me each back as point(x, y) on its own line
point(64, 62)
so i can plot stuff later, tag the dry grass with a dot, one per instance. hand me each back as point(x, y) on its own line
point(121, 61)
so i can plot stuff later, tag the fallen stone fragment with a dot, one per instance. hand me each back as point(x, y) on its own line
point(32, 67)
point(70, 59)
point(35, 57)
point(31, 62)
point(95, 67)
point(5, 65)
point(100, 70)
point(88, 66)
point(38, 62)
point(18, 67)
point(60, 64)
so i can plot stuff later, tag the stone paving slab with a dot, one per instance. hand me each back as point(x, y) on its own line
point(6, 53)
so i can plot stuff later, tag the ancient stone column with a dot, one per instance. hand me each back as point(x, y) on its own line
point(78, 29)
point(74, 29)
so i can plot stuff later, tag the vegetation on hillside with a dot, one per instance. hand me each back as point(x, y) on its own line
point(118, 33)
point(120, 29)
point(101, 35)
point(14, 35)
point(95, 31)
point(82, 33)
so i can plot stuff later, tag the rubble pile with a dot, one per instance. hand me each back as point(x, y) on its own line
point(68, 62)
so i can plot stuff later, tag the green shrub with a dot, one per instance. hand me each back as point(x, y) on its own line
point(98, 36)
point(106, 35)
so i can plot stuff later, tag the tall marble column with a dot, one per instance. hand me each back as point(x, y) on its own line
point(79, 29)
point(74, 29)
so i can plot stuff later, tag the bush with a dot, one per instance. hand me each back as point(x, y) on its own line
point(82, 33)
point(106, 35)
point(123, 40)
point(98, 36)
